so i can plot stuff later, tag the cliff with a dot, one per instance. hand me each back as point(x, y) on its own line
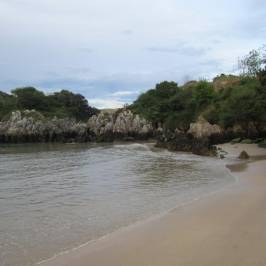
point(119, 125)
point(32, 126)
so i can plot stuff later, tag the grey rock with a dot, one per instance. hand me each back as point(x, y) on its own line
point(243, 155)
point(203, 129)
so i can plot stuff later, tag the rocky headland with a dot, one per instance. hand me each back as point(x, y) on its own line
point(111, 125)
point(32, 126)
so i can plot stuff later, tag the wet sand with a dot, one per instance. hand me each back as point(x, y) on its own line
point(226, 228)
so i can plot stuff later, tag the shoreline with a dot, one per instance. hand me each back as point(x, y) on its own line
point(136, 224)
point(168, 237)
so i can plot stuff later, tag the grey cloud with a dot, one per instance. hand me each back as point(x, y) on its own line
point(86, 50)
point(183, 50)
point(127, 32)
point(82, 46)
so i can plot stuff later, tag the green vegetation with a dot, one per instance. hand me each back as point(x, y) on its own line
point(236, 103)
point(247, 141)
point(262, 144)
point(228, 100)
point(60, 104)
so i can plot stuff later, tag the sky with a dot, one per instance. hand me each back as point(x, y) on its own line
point(112, 50)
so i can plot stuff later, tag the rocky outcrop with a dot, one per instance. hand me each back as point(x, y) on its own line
point(244, 131)
point(198, 139)
point(181, 141)
point(203, 129)
point(31, 126)
point(243, 155)
point(123, 124)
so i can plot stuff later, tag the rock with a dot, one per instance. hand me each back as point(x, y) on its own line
point(184, 142)
point(243, 155)
point(122, 124)
point(203, 129)
point(31, 126)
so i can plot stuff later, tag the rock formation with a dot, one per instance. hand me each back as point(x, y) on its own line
point(198, 139)
point(120, 125)
point(243, 155)
point(31, 126)
point(203, 129)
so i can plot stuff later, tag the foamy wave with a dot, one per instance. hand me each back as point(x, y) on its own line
point(134, 146)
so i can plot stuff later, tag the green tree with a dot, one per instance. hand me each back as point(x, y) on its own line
point(30, 98)
point(7, 104)
point(66, 103)
point(253, 62)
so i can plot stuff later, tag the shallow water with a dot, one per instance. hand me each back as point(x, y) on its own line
point(56, 197)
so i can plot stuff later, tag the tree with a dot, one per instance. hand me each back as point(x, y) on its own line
point(7, 104)
point(66, 103)
point(30, 98)
point(155, 103)
point(253, 62)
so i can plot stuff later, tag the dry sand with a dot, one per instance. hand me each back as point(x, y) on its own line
point(227, 228)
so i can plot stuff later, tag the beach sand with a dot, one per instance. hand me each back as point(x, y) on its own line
point(227, 228)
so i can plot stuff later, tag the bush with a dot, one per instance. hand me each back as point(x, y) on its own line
point(246, 141)
point(262, 144)
point(61, 104)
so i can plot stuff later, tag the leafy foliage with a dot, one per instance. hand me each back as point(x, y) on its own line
point(238, 101)
point(60, 104)
point(253, 62)
point(7, 104)
point(174, 106)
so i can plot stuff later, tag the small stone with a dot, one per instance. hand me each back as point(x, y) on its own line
point(243, 155)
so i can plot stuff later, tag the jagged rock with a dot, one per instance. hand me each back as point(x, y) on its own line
point(31, 126)
point(203, 129)
point(122, 124)
point(243, 155)
point(181, 141)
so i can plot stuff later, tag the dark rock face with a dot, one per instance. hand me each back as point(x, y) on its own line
point(187, 143)
point(243, 155)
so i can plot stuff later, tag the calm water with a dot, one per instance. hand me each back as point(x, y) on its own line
point(56, 197)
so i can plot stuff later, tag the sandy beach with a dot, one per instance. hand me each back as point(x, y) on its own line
point(226, 228)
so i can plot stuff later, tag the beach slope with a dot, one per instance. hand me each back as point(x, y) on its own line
point(226, 228)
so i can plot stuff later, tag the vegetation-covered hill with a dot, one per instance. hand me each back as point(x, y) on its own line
point(60, 104)
point(228, 100)
point(235, 103)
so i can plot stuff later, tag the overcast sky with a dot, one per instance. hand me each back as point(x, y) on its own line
point(112, 50)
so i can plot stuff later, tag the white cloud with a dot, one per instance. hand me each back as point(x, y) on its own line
point(125, 93)
point(106, 103)
point(84, 41)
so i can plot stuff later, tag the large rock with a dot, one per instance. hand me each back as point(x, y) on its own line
point(122, 124)
point(180, 141)
point(31, 126)
point(243, 155)
point(203, 129)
